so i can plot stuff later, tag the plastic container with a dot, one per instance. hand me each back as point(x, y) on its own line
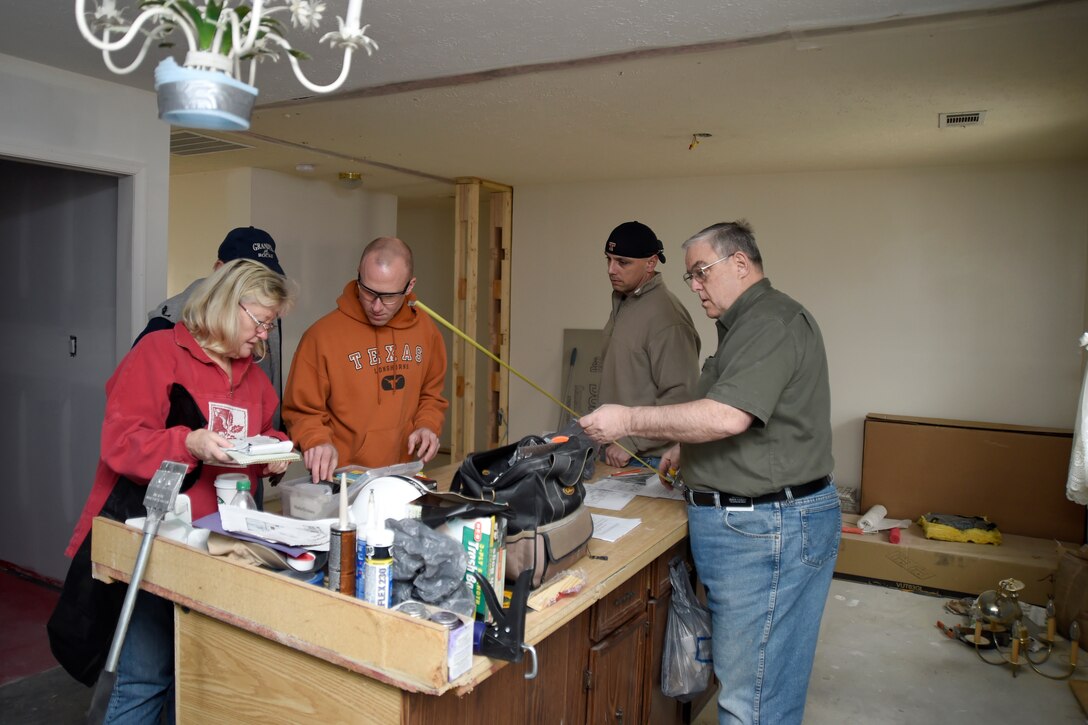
point(303, 499)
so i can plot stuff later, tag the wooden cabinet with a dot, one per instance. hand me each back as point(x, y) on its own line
point(601, 668)
point(616, 675)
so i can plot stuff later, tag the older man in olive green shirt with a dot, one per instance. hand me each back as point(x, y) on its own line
point(763, 517)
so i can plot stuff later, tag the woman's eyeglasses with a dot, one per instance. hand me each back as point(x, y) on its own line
point(266, 326)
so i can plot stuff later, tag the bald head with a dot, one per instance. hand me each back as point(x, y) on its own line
point(386, 252)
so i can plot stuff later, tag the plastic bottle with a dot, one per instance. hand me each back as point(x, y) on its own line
point(379, 567)
point(244, 499)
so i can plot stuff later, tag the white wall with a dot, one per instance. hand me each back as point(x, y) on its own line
point(944, 292)
point(320, 230)
point(52, 116)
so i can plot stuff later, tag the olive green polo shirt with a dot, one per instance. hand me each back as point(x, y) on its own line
point(771, 363)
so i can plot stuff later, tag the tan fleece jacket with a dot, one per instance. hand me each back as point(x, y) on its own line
point(365, 389)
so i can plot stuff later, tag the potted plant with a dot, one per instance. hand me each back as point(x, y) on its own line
point(207, 90)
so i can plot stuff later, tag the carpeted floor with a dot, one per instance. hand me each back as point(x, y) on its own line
point(25, 605)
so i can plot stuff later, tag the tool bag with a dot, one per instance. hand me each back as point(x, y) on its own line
point(542, 482)
point(550, 548)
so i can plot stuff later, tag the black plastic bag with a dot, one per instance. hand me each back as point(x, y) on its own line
point(687, 661)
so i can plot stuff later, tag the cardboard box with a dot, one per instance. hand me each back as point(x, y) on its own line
point(948, 568)
point(484, 542)
point(1014, 475)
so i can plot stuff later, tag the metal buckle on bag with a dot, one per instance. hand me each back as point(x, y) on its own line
point(737, 503)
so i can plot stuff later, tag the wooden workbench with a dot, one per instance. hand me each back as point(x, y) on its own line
point(254, 645)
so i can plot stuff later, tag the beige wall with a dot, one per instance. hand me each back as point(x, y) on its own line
point(320, 230)
point(945, 292)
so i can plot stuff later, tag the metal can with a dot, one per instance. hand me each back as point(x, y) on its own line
point(449, 620)
point(413, 609)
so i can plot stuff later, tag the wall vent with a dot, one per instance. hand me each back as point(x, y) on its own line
point(963, 118)
point(187, 143)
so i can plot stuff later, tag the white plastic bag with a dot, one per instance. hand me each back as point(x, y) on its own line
point(686, 663)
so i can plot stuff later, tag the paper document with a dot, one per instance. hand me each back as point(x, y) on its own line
point(649, 485)
point(610, 528)
point(600, 498)
point(281, 529)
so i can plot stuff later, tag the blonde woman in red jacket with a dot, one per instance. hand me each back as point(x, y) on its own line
point(184, 395)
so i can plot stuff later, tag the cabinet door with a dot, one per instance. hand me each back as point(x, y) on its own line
point(616, 675)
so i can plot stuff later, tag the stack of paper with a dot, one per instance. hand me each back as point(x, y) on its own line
point(262, 449)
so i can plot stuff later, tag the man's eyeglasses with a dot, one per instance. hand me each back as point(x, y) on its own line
point(699, 273)
point(388, 298)
point(266, 326)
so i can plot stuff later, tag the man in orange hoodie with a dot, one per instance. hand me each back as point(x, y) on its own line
point(365, 386)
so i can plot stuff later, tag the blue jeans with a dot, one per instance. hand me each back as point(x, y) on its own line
point(767, 572)
point(145, 672)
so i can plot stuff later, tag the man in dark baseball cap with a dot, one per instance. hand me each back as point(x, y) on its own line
point(649, 348)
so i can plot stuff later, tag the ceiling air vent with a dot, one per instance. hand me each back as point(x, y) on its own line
point(187, 143)
point(964, 118)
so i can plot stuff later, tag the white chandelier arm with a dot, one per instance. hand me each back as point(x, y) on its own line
point(103, 44)
point(330, 87)
point(134, 64)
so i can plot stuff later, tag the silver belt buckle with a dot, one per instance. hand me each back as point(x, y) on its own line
point(736, 503)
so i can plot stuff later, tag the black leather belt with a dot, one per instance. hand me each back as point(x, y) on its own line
point(728, 500)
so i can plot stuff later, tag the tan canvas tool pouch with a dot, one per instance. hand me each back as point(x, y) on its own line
point(550, 548)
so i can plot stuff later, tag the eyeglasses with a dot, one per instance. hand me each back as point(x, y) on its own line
point(388, 298)
point(265, 326)
point(699, 273)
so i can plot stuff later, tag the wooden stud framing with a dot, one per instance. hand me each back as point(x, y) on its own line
point(466, 285)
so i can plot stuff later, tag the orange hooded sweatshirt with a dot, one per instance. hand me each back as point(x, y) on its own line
point(365, 389)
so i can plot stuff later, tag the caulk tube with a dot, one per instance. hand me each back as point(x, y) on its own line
point(341, 576)
point(360, 547)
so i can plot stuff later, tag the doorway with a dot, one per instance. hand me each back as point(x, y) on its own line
point(58, 318)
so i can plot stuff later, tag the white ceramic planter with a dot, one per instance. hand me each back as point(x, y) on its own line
point(197, 98)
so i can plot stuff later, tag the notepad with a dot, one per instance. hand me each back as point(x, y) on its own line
point(262, 449)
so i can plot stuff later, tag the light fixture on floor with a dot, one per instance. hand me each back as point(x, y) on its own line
point(999, 615)
point(208, 90)
point(350, 179)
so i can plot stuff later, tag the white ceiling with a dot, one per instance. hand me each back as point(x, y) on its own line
point(535, 91)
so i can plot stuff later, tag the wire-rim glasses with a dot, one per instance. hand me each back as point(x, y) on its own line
point(699, 273)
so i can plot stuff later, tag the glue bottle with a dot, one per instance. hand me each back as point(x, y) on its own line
point(379, 567)
point(243, 499)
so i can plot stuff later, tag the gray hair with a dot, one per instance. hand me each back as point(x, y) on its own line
point(729, 237)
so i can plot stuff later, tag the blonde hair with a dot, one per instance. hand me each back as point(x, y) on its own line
point(211, 313)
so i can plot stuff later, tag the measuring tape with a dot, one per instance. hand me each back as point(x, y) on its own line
point(453, 328)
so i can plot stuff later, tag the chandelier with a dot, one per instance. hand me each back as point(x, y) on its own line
point(208, 90)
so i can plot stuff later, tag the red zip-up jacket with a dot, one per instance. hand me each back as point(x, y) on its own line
point(135, 440)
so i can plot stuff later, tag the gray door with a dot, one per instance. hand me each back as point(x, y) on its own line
point(58, 280)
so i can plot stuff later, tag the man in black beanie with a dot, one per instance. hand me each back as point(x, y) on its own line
point(650, 349)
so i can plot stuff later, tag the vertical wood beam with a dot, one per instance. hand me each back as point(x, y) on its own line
point(499, 319)
point(465, 283)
